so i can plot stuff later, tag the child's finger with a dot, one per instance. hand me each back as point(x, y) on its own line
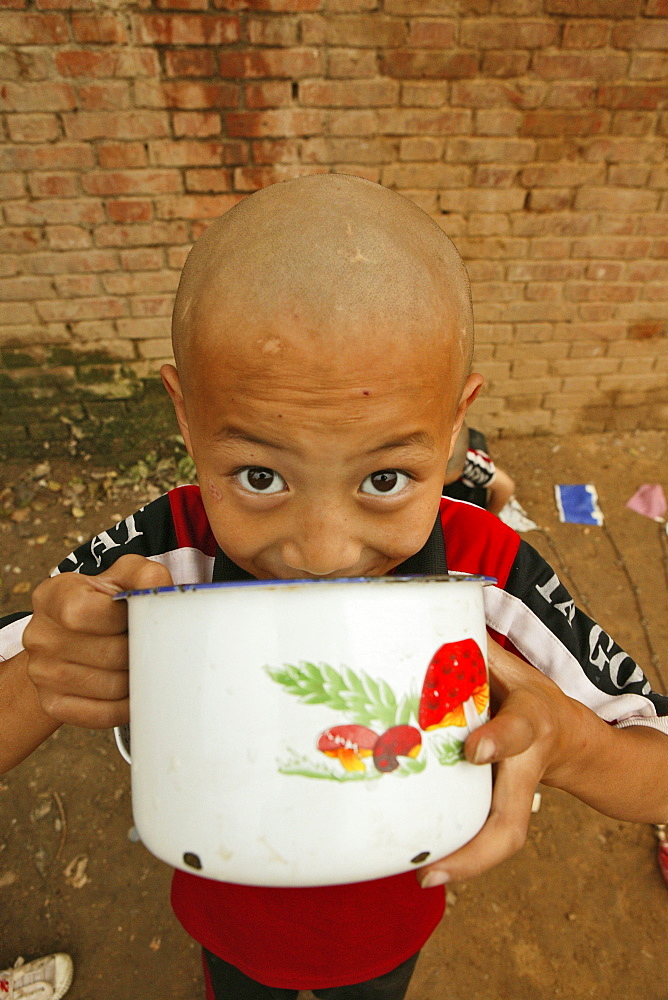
point(89, 713)
point(94, 676)
point(76, 604)
point(135, 572)
point(504, 832)
point(508, 734)
point(507, 671)
point(84, 604)
point(50, 647)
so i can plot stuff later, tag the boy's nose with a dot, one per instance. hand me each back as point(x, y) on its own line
point(322, 544)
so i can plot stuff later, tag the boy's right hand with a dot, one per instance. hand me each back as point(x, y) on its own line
point(77, 643)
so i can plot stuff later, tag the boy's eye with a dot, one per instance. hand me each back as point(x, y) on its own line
point(257, 479)
point(386, 482)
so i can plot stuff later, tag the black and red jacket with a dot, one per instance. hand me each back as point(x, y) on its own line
point(334, 935)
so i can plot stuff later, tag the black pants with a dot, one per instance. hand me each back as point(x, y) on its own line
point(230, 984)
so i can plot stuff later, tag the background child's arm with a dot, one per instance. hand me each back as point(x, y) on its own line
point(74, 667)
point(540, 734)
point(499, 491)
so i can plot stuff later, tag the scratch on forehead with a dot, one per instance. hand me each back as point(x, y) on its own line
point(354, 256)
point(186, 307)
point(463, 340)
point(270, 345)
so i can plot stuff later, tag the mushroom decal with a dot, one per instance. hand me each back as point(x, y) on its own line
point(349, 744)
point(455, 690)
point(398, 741)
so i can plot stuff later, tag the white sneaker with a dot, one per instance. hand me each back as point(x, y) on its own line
point(47, 978)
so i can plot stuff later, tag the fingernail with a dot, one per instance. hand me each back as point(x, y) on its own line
point(485, 751)
point(105, 586)
point(434, 878)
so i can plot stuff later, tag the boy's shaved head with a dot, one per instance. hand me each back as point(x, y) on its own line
point(323, 336)
point(331, 255)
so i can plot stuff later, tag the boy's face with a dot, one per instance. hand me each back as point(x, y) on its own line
point(320, 459)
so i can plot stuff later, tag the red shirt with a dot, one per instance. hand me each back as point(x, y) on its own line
point(336, 935)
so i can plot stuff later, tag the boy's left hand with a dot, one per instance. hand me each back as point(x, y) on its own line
point(526, 741)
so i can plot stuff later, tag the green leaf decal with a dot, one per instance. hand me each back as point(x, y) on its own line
point(299, 764)
point(449, 751)
point(409, 766)
point(366, 701)
point(408, 708)
point(354, 682)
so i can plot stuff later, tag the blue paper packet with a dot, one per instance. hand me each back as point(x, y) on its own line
point(578, 504)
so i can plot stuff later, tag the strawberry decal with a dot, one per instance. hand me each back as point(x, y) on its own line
point(455, 690)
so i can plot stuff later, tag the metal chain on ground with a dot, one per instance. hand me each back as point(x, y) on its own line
point(582, 601)
point(663, 535)
point(621, 562)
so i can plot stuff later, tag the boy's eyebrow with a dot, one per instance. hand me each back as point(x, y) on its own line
point(235, 434)
point(417, 438)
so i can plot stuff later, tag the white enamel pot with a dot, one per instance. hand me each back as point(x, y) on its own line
point(295, 733)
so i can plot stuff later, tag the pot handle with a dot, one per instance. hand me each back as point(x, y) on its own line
point(122, 736)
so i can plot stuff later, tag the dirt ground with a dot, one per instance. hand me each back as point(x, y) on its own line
point(580, 912)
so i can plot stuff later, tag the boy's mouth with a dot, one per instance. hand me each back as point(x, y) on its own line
point(337, 575)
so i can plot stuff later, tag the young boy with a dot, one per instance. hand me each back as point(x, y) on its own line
point(471, 474)
point(323, 337)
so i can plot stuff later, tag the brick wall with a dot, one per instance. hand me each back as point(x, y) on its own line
point(534, 131)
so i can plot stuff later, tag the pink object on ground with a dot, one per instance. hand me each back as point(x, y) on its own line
point(662, 855)
point(649, 500)
point(663, 859)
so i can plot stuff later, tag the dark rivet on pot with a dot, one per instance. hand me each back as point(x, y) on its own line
point(192, 860)
point(419, 858)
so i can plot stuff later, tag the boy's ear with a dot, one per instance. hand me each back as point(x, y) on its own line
point(472, 387)
point(172, 383)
